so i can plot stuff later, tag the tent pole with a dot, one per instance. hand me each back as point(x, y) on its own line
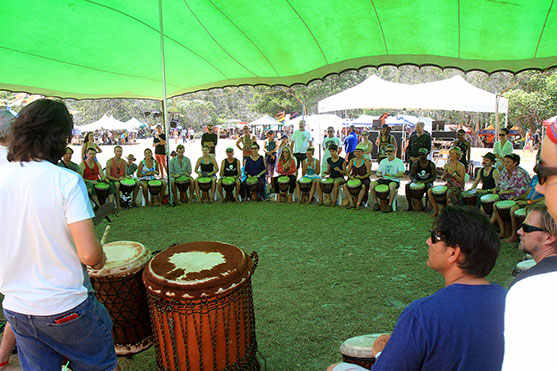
point(164, 108)
point(496, 113)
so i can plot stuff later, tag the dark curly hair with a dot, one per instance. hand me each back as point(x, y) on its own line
point(41, 131)
point(474, 234)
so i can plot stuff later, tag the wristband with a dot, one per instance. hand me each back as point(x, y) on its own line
point(2, 364)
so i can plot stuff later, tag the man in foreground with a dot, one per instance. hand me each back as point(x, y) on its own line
point(460, 327)
point(48, 299)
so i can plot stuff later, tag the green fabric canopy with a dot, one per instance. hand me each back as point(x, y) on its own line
point(111, 48)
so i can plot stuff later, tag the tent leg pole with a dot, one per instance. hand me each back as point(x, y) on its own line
point(164, 108)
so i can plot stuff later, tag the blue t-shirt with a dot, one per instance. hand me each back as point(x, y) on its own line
point(460, 327)
point(350, 142)
point(533, 195)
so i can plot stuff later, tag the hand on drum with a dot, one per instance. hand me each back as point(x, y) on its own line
point(100, 264)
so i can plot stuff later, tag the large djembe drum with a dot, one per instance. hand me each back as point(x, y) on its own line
point(118, 286)
point(183, 183)
point(305, 186)
point(155, 189)
point(201, 304)
point(205, 184)
point(284, 187)
point(358, 350)
point(127, 186)
point(470, 198)
point(504, 211)
point(102, 190)
point(520, 216)
point(252, 183)
point(440, 196)
point(488, 201)
point(382, 192)
point(417, 190)
point(228, 184)
point(327, 185)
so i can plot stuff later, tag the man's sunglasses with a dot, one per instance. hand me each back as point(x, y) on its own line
point(436, 236)
point(543, 172)
point(389, 151)
point(527, 228)
point(502, 135)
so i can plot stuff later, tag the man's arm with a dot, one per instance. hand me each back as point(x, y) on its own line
point(88, 247)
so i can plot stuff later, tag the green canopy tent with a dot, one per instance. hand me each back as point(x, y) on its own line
point(115, 48)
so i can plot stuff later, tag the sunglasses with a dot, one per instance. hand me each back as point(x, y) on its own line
point(254, 148)
point(435, 236)
point(389, 151)
point(527, 228)
point(502, 135)
point(543, 172)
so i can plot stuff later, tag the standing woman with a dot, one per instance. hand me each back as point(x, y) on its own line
point(310, 169)
point(270, 147)
point(453, 174)
point(147, 170)
point(366, 145)
point(254, 166)
point(502, 148)
point(383, 140)
point(206, 166)
point(89, 142)
point(286, 166)
point(359, 168)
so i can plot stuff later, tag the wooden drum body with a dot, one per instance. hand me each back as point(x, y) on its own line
point(327, 185)
point(102, 190)
point(487, 202)
point(504, 210)
point(229, 183)
point(470, 198)
point(284, 185)
point(305, 186)
point(118, 286)
point(382, 192)
point(417, 190)
point(201, 304)
point(183, 183)
point(205, 184)
point(252, 183)
point(127, 186)
point(354, 187)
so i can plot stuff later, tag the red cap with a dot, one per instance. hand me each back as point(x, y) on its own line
point(552, 132)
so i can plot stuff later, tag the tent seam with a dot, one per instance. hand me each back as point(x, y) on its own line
point(543, 28)
point(310, 32)
point(157, 31)
point(380, 27)
point(215, 40)
point(246, 36)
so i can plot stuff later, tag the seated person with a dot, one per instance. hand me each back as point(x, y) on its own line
point(453, 173)
point(310, 169)
point(336, 170)
point(149, 169)
point(116, 171)
point(92, 173)
point(254, 166)
point(286, 166)
point(513, 182)
point(423, 171)
point(206, 166)
point(488, 174)
point(358, 168)
point(131, 168)
point(230, 167)
point(180, 166)
point(459, 327)
point(67, 162)
point(538, 237)
point(390, 171)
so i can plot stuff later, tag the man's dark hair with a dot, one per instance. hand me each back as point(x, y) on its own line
point(474, 234)
point(333, 147)
point(41, 131)
point(514, 158)
point(506, 131)
point(68, 148)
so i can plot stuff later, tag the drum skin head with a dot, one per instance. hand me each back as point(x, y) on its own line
point(283, 179)
point(204, 179)
point(505, 204)
point(354, 183)
point(525, 265)
point(183, 179)
point(228, 180)
point(155, 183)
point(520, 212)
point(327, 180)
point(382, 188)
point(469, 193)
point(129, 182)
point(439, 189)
point(304, 180)
point(101, 186)
point(251, 180)
point(123, 258)
point(491, 197)
point(359, 346)
point(197, 269)
point(417, 185)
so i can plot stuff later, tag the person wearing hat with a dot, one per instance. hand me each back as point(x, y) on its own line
point(180, 166)
point(422, 171)
point(383, 140)
point(327, 142)
point(359, 168)
point(488, 174)
point(131, 168)
point(270, 147)
point(230, 167)
point(246, 140)
point(210, 139)
point(350, 142)
point(419, 139)
point(6, 120)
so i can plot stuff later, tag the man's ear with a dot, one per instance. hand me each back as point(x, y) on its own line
point(455, 254)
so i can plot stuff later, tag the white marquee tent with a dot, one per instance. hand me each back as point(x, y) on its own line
point(454, 94)
point(264, 121)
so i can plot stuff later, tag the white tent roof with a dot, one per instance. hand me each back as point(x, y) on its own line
point(133, 124)
point(105, 122)
point(454, 94)
point(263, 121)
point(364, 119)
point(316, 124)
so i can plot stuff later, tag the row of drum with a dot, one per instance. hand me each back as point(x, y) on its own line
point(193, 301)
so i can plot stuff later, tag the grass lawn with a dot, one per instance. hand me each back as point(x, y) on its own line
point(324, 275)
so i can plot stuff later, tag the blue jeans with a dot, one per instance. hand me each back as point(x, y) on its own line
point(86, 340)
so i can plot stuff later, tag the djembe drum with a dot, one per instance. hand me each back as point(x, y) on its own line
point(417, 190)
point(382, 192)
point(127, 186)
point(520, 216)
point(284, 185)
point(327, 185)
point(305, 186)
point(102, 191)
point(155, 188)
point(252, 184)
point(357, 350)
point(118, 286)
point(205, 186)
point(228, 184)
point(470, 198)
point(354, 187)
point(201, 304)
point(183, 183)
point(440, 196)
point(487, 202)
point(504, 210)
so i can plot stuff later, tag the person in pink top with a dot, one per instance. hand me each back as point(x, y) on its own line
point(286, 166)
